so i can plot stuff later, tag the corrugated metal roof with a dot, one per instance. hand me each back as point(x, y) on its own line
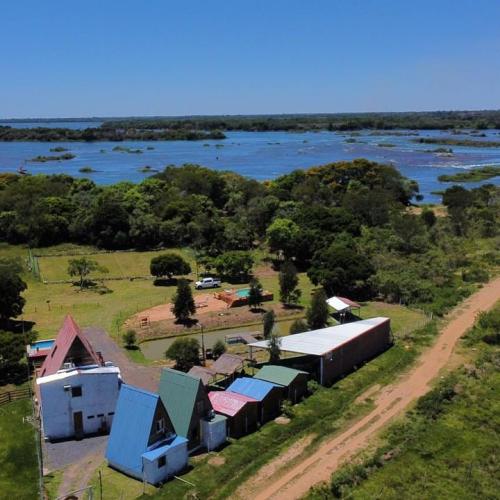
point(252, 387)
point(228, 403)
point(341, 303)
point(204, 374)
point(319, 342)
point(67, 335)
point(163, 449)
point(178, 391)
point(281, 375)
point(131, 427)
point(227, 364)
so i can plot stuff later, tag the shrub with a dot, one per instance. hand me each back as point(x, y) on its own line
point(130, 338)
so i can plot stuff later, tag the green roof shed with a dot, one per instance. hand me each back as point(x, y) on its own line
point(294, 381)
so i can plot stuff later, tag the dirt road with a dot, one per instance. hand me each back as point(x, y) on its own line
point(391, 402)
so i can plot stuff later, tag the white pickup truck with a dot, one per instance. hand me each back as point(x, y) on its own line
point(207, 283)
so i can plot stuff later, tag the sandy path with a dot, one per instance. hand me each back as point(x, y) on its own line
point(391, 402)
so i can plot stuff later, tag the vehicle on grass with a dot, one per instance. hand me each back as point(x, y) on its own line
point(207, 283)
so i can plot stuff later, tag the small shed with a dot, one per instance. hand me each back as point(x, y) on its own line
point(186, 400)
point(228, 364)
point(241, 411)
point(206, 375)
point(268, 395)
point(142, 442)
point(293, 381)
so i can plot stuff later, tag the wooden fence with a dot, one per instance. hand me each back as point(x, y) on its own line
point(7, 397)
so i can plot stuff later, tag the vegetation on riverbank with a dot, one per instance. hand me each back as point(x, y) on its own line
point(474, 175)
point(446, 445)
point(335, 121)
point(449, 141)
point(43, 159)
point(44, 134)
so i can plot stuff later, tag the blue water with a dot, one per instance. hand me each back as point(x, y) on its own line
point(260, 155)
point(42, 344)
point(243, 292)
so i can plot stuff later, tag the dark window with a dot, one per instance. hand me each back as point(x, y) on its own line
point(76, 392)
point(90, 416)
point(111, 413)
point(100, 414)
point(162, 461)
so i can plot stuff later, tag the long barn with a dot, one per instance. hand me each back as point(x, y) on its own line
point(334, 351)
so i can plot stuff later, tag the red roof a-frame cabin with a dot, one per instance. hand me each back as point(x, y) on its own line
point(71, 346)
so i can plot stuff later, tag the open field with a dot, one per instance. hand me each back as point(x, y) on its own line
point(118, 264)
point(19, 470)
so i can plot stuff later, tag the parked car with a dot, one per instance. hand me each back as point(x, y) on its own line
point(207, 283)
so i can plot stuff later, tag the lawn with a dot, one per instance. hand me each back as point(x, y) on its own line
point(18, 460)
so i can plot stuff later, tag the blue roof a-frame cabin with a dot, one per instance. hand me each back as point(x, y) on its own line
point(142, 442)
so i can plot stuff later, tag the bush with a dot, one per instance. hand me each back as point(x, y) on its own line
point(218, 349)
point(298, 326)
point(475, 275)
point(432, 404)
point(130, 338)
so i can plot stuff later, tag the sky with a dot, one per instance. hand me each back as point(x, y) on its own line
point(65, 58)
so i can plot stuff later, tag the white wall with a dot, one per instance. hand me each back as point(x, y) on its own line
point(213, 433)
point(177, 458)
point(99, 396)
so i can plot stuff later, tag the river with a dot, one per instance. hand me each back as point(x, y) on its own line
point(260, 155)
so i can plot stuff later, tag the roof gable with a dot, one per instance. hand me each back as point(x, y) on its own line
point(227, 364)
point(281, 375)
point(69, 344)
point(228, 403)
point(252, 387)
point(179, 393)
point(132, 423)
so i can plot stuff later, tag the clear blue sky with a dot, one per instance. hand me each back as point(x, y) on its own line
point(159, 57)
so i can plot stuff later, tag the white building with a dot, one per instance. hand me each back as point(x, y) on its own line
point(77, 391)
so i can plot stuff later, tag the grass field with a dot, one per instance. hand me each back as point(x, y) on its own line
point(19, 465)
point(118, 264)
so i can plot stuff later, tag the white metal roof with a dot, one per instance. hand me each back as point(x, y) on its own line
point(63, 374)
point(319, 342)
point(340, 303)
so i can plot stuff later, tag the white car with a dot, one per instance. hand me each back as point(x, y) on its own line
point(207, 283)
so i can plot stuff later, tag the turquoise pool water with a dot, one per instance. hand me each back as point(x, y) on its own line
point(243, 292)
point(42, 344)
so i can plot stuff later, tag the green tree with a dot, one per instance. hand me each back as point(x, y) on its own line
point(11, 287)
point(234, 265)
point(169, 264)
point(288, 279)
point(274, 346)
point(83, 267)
point(268, 321)
point(298, 326)
point(219, 348)
point(12, 351)
point(255, 294)
point(130, 338)
point(281, 235)
point(341, 270)
point(185, 352)
point(184, 305)
point(317, 313)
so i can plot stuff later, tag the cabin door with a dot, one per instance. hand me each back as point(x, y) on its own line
point(78, 424)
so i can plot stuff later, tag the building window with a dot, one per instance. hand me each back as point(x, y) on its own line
point(100, 415)
point(76, 392)
point(160, 425)
point(90, 416)
point(162, 461)
point(111, 413)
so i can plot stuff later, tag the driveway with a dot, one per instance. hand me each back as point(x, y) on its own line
point(145, 377)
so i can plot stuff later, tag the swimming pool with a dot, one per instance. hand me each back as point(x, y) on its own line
point(243, 292)
point(42, 344)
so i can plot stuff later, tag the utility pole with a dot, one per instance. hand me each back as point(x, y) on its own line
point(203, 345)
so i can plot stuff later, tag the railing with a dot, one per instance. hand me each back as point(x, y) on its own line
point(10, 396)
